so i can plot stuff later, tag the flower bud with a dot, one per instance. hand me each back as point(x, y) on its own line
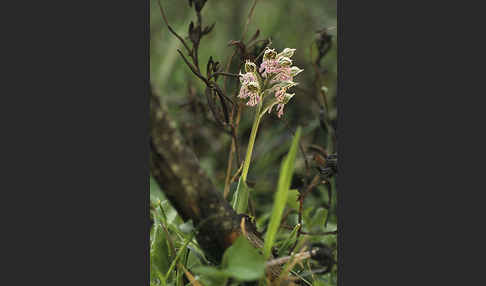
point(250, 67)
point(284, 61)
point(287, 52)
point(287, 97)
point(295, 71)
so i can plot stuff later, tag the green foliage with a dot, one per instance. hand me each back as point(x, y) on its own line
point(241, 261)
point(286, 172)
point(240, 197)
point(159, 252)
point(317, 220)
point(179, 254)
point(289, 241)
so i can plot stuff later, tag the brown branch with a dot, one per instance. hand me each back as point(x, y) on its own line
point(302, 196)
point(172, 30)
point(193, 69)
point(176, 169)
point(233, 149)
point(312, 233)
point(223, 73)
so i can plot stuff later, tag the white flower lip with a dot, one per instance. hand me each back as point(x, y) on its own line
point(287, 52)
point(295, 70)
point(285, 61)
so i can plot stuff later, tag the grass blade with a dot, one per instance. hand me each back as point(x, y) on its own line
point(284, 180)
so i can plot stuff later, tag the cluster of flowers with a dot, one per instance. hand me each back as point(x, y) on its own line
point(276, 73)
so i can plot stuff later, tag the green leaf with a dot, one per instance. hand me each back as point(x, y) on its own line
point(261, 221)
point(187, 227)
point(289, 241)
point(159, 252)
point(284, 180)
point(240, 197)
point(306, 215)
point(243, 262)
point(211, 275)
point(179, 254)
point(210, 271)
point(318, 219)
point(169, 213)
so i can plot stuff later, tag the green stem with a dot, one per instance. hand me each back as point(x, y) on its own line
point(240, 198)
point(179, 254)
point(249, 151)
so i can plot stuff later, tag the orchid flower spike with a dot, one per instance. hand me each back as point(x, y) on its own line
point(274, 75)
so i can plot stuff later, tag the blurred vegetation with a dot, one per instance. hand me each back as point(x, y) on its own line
point(292, 24)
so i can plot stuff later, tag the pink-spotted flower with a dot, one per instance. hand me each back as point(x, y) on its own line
point(250, 88)
point(276, 74)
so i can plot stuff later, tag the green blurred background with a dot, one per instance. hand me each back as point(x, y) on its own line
point(287, 23)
